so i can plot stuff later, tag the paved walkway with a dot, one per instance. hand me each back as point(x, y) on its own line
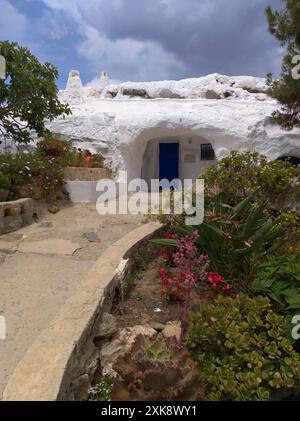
point(40, 267)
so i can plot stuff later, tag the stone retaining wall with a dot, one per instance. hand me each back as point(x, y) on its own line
point(15, 214)
point(85, 174)
point(62, 362)
point(81, 183)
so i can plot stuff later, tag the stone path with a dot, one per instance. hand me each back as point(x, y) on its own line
point(40, 267)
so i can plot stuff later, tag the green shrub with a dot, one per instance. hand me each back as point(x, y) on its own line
point(243, 350)
point(239, 173)
point(279, 277)
point(289, 221)
point(156, 369)
point(236, 238)
point(51, 147)
point(16, 167)
point(31, 174)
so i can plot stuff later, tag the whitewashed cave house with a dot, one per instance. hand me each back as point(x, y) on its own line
point(173, 129)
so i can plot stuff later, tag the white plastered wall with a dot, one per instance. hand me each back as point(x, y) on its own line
point(139, 156)
point(190, 163)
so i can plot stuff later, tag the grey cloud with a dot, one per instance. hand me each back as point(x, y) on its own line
point(225, 36)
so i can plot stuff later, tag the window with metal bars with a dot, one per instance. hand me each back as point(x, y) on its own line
point(207, 152)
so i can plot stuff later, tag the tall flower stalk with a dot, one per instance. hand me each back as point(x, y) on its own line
point(194, 268)
point(186, 258)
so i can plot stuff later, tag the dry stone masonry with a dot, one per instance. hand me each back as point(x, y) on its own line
point(16, 214)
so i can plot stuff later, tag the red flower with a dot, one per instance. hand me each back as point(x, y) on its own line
point(171, 236)
point(182, 276)
point(214, 286)
point(226, 287)
point(162, 272)
point(215, 277)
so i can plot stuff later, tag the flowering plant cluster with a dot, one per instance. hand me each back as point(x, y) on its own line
point(166, 253)
point(193, 269)
point(172, 287)
point(31, 175)
point(53, 148)
point(87, 159)
point(218, 285)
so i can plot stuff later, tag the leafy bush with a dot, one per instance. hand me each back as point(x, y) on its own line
point(239, 173)
point(243, 351)
point(156, 369)
point(16, 167)
point(28, 94)
point(279, 277)
point(236, 238)
point(289, 221)
point(4, 182)
point(32, 175)
point(51, 147)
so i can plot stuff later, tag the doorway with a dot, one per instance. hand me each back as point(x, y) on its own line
point(168, 161)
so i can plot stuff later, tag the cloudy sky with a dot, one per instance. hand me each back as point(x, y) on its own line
point(145, 39)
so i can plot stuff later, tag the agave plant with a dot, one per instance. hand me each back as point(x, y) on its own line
point(156, 369)
point(235, 238)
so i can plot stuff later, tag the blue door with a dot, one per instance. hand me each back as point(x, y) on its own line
point(168, 161)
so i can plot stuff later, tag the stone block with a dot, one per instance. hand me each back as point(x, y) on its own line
point(16, 214)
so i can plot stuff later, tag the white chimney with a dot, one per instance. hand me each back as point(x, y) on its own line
point(104, 79)
point(74, 91)
point(74, 81)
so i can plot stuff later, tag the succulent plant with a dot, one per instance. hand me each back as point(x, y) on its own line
point(156, 369)
point(243, 350)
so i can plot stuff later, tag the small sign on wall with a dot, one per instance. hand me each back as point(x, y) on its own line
point(190, 158)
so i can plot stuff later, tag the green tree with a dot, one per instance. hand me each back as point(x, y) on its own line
point(28, 95)
point(284, 24)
